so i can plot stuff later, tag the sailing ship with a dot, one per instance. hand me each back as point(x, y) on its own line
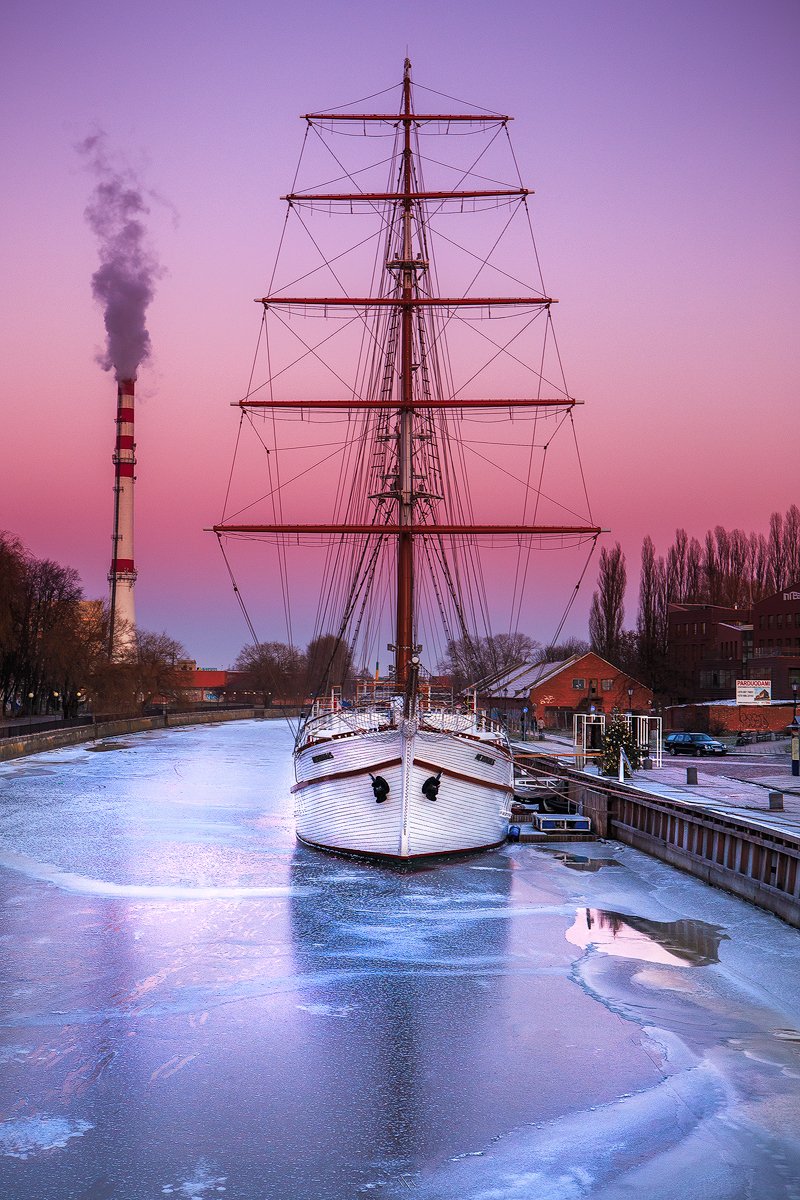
point(401, 767)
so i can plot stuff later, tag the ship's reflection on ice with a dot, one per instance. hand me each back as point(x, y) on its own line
point(396, 1004)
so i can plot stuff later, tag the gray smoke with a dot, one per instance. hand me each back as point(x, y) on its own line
point(124, 283)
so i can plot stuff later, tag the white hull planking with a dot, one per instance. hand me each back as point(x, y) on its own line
point(335, 806)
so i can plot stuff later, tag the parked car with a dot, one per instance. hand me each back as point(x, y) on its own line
point(692, 743)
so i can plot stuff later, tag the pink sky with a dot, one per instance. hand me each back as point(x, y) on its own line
point(660, 138)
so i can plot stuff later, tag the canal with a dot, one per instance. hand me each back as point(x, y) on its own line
point(195, 1007)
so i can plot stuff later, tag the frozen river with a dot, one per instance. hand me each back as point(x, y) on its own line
point(194, 1007)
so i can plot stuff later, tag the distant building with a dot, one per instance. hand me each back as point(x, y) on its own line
point(776, 641)
point(553, 692)
point(198, 685)
point(585, 683)
point(709, 647)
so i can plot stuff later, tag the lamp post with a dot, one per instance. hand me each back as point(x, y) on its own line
point(795, 686)
point(794, 730)
point(630, 701)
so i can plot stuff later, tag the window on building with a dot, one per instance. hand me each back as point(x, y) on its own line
point(703, 627)
point(761, 621)
point(607, 685)
point(779, 620)
point(771, 621)
point(579, 684)
point(788, 620)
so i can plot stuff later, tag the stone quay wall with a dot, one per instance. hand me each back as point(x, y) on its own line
point(755, 862)
point(37, 743)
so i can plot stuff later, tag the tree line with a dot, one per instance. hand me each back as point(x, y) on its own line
point(277, 671)
point(730, 568)
point(54, 645)
point(471, 661)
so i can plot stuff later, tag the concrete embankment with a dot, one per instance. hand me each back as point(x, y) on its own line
point(36, 743)
point(730, 833)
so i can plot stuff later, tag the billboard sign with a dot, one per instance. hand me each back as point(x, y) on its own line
point(753, 691)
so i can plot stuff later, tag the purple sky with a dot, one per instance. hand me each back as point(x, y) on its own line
point(660, 138)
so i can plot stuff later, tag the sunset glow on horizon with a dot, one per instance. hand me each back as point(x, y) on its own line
point(661, 143)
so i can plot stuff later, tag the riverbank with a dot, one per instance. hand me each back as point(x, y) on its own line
point(36, 743)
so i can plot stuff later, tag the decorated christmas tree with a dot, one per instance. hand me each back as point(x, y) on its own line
point(619, 735)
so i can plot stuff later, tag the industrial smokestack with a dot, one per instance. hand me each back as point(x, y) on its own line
point(124, 284)
point(122, 576)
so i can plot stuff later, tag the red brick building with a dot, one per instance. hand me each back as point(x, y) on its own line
point(585, 683)
point(709, 647)
point(776, 641)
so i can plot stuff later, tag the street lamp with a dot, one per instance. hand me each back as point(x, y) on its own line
point(630, 701)
point(794, 730)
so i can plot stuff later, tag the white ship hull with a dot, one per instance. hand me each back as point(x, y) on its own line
point(336, 806)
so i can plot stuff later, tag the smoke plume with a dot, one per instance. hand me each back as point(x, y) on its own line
point(124, 283)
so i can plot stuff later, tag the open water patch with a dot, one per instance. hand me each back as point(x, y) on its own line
point(578, 862)
point(685, 943)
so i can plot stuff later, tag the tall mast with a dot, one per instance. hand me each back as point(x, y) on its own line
point(405, 517)
point(405, 304)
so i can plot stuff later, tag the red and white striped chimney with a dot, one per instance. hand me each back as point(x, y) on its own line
point(122, 575)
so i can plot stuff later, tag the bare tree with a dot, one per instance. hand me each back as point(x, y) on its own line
point(329, 663)
point(607, 612)
point(677, 566)
point(558, 651)
point(757, 566)
point(776, 566)
point(651, 623)
point(693, 589)
point(711, 571)
point(13, 567)
point(791, 545)
point(153, 666)
point(273, 669)
point(471, 660)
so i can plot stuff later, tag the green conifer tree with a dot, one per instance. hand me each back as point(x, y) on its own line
point(619, 735)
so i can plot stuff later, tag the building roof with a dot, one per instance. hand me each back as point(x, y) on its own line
point(520, 681)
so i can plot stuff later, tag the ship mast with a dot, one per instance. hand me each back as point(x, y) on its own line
point(406, 297)
point(405, 429)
